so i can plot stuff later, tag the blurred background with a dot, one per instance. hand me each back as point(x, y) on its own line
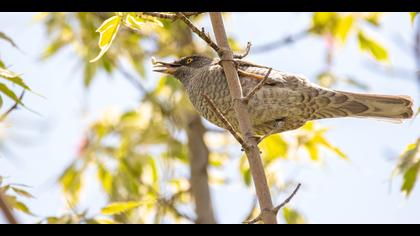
point(113, 142)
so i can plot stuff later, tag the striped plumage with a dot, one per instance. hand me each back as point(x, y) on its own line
point(284, 103)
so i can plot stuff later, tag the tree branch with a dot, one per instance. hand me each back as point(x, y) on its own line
point(199, 159)
point(277, 208)
point(170, 16)
point(7, 212)
point(12, 108)
point(261, 185)
point(223, 119)
point(201, 33)
point(258, 87)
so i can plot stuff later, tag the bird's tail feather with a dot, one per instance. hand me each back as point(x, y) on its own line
point(388, 107)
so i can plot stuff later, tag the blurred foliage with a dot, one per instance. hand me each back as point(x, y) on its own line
point(337, 29)
point(409, 167)
point(136, 153)
point(14, 195)
point(413, 16)
point(9, 77)
point(140, 156)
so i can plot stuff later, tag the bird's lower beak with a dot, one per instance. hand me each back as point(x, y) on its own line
point(164, 67)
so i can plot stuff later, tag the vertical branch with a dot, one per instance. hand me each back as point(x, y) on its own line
point(199, 156)
point(7, 212)
point(253, 153)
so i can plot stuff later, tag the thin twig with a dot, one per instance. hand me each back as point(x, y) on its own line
point(223, 119)
point(277, 209)
point(4, 207)
point(201, 33)
point(258, 87)
point(251, 211)
point(170, 16)
point(243, 55)
point(12, 108)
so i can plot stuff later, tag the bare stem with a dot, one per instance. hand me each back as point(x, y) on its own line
point(258, 87)
point(223, 119)
point(13, 107)
point(246, 129)
point(277, 208)
point(170, 16)
point(201, 33)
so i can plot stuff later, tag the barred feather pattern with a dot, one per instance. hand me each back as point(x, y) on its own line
point(287, 101)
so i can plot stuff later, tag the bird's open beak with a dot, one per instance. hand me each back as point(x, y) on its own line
point(165, 67)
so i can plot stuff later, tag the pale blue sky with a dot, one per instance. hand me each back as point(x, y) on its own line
point(37, 148)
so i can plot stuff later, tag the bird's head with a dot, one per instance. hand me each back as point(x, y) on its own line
point(184, 68)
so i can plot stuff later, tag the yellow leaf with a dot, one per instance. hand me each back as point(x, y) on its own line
point(292, 216)
point(413, 16)
point(105, 221)
point(119, 207)
point(134, 22)
point(344, 26)
point(108, 30)
point(372, 47)
point(274, 147)
point(409, 180)
point(313, 151)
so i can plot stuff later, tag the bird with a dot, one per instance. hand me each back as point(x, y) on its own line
point(285, 101)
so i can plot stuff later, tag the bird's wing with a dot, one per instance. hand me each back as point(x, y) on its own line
point(279, 78)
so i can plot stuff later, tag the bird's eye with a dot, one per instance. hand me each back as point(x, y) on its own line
point(189, 60)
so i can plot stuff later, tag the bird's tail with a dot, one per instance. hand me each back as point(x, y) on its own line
point(387, 107)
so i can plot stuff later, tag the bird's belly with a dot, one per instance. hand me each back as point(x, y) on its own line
point(266, 107)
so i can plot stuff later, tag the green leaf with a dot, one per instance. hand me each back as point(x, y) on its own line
point(134, 22)
point(312, 150)
point(245, 171)
point(22, 207)
point(105, 178)
point(119, 207)
point(343, 27)
point(329, 146)
point(373, 18)
point(417, 113)
point(6, 91)
point(292, 216)
point(371, 46)
point(410, 178)
point(154, 168)
point(8, 39)
point(89, 73)
point(71, 182)
point(151, 19)
point(14, 78)
point(413, 16)
point(53, 48)
point(274, 147)
point(323, 21)
point(22, 193)
point(108, 30)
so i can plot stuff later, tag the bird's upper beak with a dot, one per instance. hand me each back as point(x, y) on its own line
point(165, 67)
